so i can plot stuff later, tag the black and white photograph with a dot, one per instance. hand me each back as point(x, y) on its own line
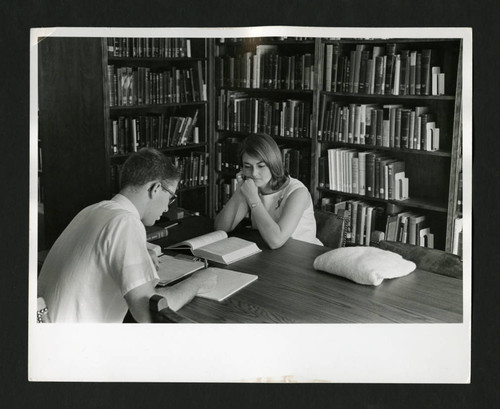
point(260, 189)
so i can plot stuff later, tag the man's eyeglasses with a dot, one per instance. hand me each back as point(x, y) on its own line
point(173, 196)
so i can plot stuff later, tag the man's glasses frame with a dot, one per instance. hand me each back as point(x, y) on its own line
point(173, 196)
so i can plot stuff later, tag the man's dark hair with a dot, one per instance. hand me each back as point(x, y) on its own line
point(147, 165)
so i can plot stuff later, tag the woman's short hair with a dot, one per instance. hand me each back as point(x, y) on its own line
point(147, 165)
point(265, 148)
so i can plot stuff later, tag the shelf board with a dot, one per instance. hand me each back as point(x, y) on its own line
point(269, 90)
point(155, 59)
point(443, 154)
point(387, 40)
point(189, 188)
point(266, 41)
point(167, 149)
point(292, 139)
point(390, 97)
point(152, 107)
point(226, 173)
point(281, 138)
point(413, 203)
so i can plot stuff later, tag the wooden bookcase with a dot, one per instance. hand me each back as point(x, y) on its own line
point(264, 85)
point(76, 117)
point(91, 91)
point(433, 174)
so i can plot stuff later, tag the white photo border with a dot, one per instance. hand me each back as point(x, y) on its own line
point(340, 353)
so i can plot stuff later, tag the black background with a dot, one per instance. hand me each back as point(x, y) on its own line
point(18, 17)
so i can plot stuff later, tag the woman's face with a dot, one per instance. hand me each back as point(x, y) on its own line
point(256, 169)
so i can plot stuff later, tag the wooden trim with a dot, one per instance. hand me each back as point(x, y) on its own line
point(108, 133)
point(456, 157)
point(211, 127)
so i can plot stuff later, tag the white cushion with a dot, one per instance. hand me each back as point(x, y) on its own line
point(364, 265)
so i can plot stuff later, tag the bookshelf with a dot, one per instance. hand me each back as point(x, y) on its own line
point(102, 99)
point(157, 96)
point(264, 85)
point(99, 99)
point(356, 81)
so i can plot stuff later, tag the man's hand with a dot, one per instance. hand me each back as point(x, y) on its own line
point(205, 279)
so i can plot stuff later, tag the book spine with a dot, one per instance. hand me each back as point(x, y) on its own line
point(376, 178)
point(425, 87)
point(379, 126)
point(379, 73)
point(405, 127)
point(370, 174)
point(362, 173)
point(157, 235)
point(413, 73)
point(418, 74)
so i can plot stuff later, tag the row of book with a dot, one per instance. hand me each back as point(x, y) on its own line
point(227, 159)
point(227, 156)
point(193, 169)
point(129, 134)
point(389, 125)
point(369, 173)
point(265, 69)
point(149, 47)
point(260, 40)
point(130, 86)
point(295, 163)
point(382, 70)
point(240, 113)
point(224, 190)
point(366, 224)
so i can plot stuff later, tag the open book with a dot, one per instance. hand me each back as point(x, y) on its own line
point(228, 283)
point(217, 246)
point(174, 268)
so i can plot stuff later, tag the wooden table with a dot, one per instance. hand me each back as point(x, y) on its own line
point(289, 290)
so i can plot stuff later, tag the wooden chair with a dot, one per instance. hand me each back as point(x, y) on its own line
point(161, 313)
point(330, 229)
point(42, 313)
point(433, 260)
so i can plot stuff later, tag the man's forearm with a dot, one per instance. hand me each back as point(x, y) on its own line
point(180, 294)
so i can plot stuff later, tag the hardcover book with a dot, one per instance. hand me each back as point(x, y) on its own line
point(174, 268)
point(217, 246)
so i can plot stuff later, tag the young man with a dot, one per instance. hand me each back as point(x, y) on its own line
point(100, 266)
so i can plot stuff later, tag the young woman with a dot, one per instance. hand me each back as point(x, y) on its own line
point(280, 206)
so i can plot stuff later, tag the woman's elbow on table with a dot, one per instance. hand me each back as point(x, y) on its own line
point(275, 242)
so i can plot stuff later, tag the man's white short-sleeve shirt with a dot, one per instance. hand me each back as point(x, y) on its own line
point(98, 258)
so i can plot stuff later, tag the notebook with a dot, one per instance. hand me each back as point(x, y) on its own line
point(228, 283)
point(173, 268)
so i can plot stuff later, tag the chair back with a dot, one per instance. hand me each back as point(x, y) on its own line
point(161, 313)
point(433, 260)
point(42, 312)
point(330, 229)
